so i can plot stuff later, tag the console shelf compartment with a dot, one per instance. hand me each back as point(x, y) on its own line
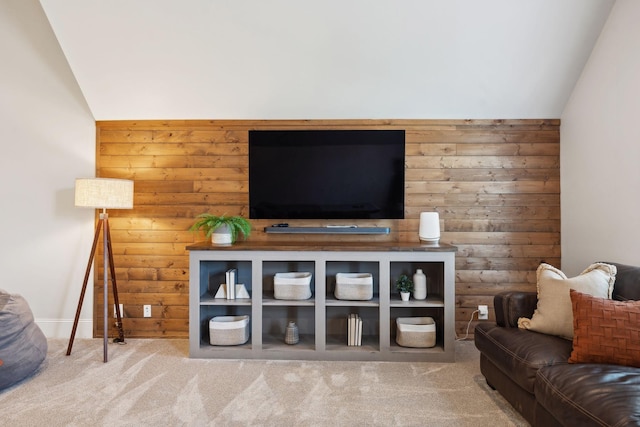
point(321, 319)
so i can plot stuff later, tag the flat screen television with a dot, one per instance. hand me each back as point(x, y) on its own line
point(326, 174)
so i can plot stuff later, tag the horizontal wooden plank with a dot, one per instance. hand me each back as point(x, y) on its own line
point(179, 174)
point(504, 225)
point(491, 289)
point(163, 186)
point(502, 212)
point(429, 149)
point(485, 136)
point(150, 260)
point(489, 225)
point(488, 187)
point(153, 328)
point(484, 149)
point(172, 161)
point(497, 238)
point(174, 149)
point(492, 263)
point(492, 175)
point(200, 135)
point(154, 299)
point(486, 162)
point(131, 311)
point(170, 136)
point(154, 286)
point(159, 223)
point(180, 199)
point(494, 276)
point(120, 237)
point(155, 248)
point(190, 211)
point(509, 251)
point(126, 135)
point(510, 149)
point(493, 212)
point(434, 201)
point(473, 301)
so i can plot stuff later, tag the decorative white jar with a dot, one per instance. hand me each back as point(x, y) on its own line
point(419, 285)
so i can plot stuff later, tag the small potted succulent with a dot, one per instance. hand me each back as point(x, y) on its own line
point(404, 285)
point(223, 229)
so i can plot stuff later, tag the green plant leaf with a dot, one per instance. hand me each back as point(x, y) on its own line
point(210, 223)
point(404, 284)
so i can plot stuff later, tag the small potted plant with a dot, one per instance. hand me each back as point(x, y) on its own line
point(404, 285)
point(223, 229)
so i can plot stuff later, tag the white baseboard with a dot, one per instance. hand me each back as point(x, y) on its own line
point(61, 328)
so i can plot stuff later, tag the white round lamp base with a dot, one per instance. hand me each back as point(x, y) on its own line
point(429, 239)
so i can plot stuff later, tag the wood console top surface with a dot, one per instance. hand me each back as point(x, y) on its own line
point(325, 246)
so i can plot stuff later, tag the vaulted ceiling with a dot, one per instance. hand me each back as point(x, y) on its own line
point(221, 59)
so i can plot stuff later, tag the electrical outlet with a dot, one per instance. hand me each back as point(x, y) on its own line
point(483, 312)
point(147, 310)
point(115, 313)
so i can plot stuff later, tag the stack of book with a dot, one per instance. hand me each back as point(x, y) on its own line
point(231, 275)
point(354, 330)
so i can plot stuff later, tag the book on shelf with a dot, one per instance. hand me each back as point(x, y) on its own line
point(230, 277)
point(354, 330)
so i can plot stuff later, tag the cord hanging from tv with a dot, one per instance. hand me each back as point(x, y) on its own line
point(326, 174)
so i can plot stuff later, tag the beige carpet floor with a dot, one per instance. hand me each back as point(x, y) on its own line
point(154, 383)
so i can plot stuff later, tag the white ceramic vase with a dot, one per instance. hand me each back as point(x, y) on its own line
point(419, 285)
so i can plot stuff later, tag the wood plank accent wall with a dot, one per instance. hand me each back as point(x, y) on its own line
point(495, 184)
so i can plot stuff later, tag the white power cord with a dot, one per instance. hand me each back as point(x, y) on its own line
point(468, 325)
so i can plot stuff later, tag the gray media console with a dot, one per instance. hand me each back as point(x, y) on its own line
point(321, 319)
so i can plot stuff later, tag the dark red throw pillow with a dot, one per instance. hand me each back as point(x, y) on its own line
point(605, 331)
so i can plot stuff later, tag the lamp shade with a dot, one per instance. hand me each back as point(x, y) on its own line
point(429, 227)
point(104, 193)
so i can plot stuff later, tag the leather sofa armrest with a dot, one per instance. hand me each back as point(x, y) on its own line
point(510, 306)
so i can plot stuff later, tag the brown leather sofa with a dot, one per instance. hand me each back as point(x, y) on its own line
point(531, 369)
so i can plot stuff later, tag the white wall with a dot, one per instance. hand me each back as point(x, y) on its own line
point(600, 150)
point(48, 139)
point(293, 59)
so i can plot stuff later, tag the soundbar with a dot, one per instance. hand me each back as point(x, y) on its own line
point(327, 230)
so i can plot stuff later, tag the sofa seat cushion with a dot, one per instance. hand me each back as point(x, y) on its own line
point(590, 394)
point(519, 353)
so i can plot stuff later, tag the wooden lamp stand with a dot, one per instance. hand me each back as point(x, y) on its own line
point(103, 193)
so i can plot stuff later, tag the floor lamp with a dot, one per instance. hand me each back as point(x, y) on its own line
point(103, 193)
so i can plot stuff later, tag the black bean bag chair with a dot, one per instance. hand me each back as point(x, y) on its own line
point(23, 346)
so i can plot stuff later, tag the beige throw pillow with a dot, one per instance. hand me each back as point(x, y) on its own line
point(554, 314)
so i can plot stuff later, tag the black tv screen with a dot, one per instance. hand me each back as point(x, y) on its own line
point(326, 174)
